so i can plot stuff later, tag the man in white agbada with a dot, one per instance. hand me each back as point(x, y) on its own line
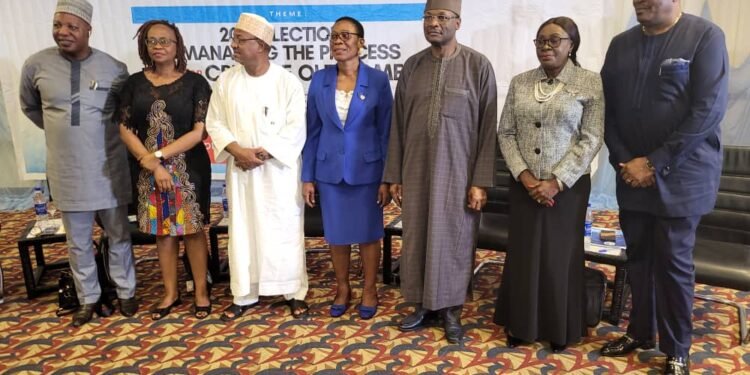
point(256, 119)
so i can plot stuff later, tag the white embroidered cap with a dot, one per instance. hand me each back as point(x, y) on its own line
point(256, 25)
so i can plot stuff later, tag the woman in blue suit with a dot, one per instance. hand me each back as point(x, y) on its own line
point(348, 121)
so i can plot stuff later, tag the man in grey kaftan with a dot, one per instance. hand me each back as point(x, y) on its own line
point(68, 91)
point(440, 158)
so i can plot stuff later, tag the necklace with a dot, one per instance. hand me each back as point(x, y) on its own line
point(643, 28)
point(542, 96)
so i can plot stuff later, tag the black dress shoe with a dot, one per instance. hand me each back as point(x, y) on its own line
point(128, 306)
point(454, 332)
point(677, 365)
point(557, 348)
point(417, 320)
point(624, 346)
point(84, 314)
point(512, 341)
point(104, 308)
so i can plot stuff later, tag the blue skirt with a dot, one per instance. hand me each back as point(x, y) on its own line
point(351, 213)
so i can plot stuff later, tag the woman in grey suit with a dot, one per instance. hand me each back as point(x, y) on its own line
point(550, 130)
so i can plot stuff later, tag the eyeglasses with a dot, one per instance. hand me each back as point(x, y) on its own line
point(344, 35)
point(164, 42)
point(239, 40)
point(442, 19)
point(553, 42)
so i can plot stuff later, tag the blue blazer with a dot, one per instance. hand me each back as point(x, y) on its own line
point(353, 152)
point(673, 118)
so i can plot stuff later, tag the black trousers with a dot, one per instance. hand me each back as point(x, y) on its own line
point(662, 278)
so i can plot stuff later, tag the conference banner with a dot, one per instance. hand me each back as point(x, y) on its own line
point(502, 30)
point(393, 32)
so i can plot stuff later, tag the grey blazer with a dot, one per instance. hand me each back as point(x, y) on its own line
point(557, 138)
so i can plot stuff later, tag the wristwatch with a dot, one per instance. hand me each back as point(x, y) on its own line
point(159, 155)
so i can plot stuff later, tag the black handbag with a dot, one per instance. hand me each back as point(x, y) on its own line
point(596, 289)
point(67, 298)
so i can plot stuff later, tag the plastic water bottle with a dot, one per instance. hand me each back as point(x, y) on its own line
point(40, 209)
point(224, 200)
point(587, 227)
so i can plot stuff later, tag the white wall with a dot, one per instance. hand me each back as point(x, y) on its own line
point(501, 29)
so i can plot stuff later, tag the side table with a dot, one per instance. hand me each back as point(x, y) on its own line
point(32, 277)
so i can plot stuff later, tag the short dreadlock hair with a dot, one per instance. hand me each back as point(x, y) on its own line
point(142, 34)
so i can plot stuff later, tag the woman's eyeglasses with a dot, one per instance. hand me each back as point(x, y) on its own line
point(553, 42)
point(344, 35)
point(164, 42)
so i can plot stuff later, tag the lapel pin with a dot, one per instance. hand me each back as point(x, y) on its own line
point(361, 96)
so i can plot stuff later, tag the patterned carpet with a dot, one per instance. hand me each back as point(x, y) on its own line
point(269, 341)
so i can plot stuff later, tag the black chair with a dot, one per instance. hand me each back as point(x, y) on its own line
point(493, 225)
point(493, 235)
point(722, 248)
point(314, 223)
point(138, 238)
